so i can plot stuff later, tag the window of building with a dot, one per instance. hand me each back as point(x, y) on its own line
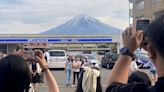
point(140, 17)
point(131, 6)
point(159, 13)
point(140, 5)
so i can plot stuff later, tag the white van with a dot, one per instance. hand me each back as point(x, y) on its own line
point(56, 59)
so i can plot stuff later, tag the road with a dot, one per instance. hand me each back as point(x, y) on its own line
point(60, 77)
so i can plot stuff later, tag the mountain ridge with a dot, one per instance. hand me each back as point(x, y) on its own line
point(83, 25)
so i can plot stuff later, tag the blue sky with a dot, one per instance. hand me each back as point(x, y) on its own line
point(34, 16)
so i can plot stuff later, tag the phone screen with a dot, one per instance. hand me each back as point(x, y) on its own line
point(142, 24)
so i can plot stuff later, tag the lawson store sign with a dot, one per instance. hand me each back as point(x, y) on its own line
point(55, 40)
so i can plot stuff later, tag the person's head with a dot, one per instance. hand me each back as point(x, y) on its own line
point(14, 74)
point(20, 52)
point(86, 58)
point(77, 58)
point(138, 76)
point(82, 59)
point(70, 58)
point(155, 35)
point(89, 81)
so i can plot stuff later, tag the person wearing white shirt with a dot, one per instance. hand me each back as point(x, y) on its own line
point(76, 69)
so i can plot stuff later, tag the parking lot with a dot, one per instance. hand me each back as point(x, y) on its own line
point(60, 77)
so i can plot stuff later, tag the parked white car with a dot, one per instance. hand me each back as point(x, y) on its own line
point(57, 58)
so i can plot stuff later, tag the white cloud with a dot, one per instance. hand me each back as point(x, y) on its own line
point(18, 28)
point(120, 23)
point(44, 14)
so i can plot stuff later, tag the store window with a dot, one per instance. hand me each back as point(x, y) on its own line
point(3, 48)
point(87, 52)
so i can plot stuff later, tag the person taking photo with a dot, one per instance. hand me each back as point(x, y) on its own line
point(131, 41)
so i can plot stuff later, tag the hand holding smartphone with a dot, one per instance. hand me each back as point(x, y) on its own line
point(142, 25)
point(40, 57)
point(37, 53)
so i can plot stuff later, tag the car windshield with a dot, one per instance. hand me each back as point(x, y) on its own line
point(142, 55)
point(57, 53)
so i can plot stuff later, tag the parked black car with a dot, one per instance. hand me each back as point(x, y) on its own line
point(108, 60)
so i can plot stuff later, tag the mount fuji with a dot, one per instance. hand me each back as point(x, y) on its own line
point(83, 25)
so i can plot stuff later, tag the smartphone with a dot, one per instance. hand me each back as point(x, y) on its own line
point(142, 24)
point(37, 53)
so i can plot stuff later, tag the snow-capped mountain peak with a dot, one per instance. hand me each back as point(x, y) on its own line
point(85, 17)
point(81, 19)
point(83, 24)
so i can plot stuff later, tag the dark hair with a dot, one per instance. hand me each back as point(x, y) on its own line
point(70, 59)
point(77, 56)
point(79, 86)
point(14, 74)
point(155, 34)
point(138, 76)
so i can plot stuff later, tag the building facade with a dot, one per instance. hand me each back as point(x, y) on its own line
point(73, 44)
point(149, 9)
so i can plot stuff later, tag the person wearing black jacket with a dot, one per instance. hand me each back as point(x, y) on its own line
point(132, 39)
